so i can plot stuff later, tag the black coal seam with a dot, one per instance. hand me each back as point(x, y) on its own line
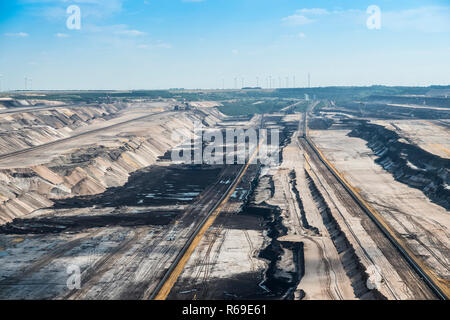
point(272, 252)
point(48, 225)
point(297, 249)
point(305, 223)
point(280, 288)
point(250, 196)
point(432, 173)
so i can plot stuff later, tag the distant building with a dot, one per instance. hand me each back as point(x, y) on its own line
point(182, 106)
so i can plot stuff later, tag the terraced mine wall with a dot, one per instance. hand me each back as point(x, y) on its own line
point(350, 261)
point(285, 259)
point(87, 170)
point(27, 129)
point(423, 101)
point(385, 111)
point(407, 162)
point(278, 281)
point(286, 136)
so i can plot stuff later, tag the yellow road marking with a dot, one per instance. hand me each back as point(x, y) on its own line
point(168, 285)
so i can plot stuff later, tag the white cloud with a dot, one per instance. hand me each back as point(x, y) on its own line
point(302, 16)
point(301, 35)
point(116, 29)
point(56, 9)
point(297, 20)
point(423, 19)
point(158, 44)
point(235, 51)
point(315, 11)
point(61, 35)
point(164, 45)
point(18, 34)
point(133, 33)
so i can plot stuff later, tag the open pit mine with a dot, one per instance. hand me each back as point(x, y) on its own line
point(354, 205)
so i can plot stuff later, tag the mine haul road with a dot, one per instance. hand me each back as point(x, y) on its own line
point(82, 134)
point(41, 108)
point(165, 285)
point(153, 253)
point(421, 281)
point(166, 245)
point(144, 249)
point(184, 236)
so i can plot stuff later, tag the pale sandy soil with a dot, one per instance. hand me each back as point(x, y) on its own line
point(417, 106)
point(205, 104)
point(325, 277)
point(108, 138)
point(224, 253)
point(428, 135)
point(423, 225)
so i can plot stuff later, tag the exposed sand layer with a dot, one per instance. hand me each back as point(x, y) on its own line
point(88, 165)
point(423, 225)
point(324, 276)
point(427, 134)
point(27, 129)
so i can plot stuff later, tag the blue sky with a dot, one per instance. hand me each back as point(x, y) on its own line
point(153, 44)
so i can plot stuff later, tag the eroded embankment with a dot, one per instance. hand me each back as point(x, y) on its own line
point(286, 136)
point(305, 223)
point(155, 186)
point(87, 170)
point(385, 110)
point(285, 259)
point(280, 278)
point(27, 129)
point(27, 189)
point(407, 162)
point(350, 261)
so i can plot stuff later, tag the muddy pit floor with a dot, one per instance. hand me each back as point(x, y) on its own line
point(122, 240)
